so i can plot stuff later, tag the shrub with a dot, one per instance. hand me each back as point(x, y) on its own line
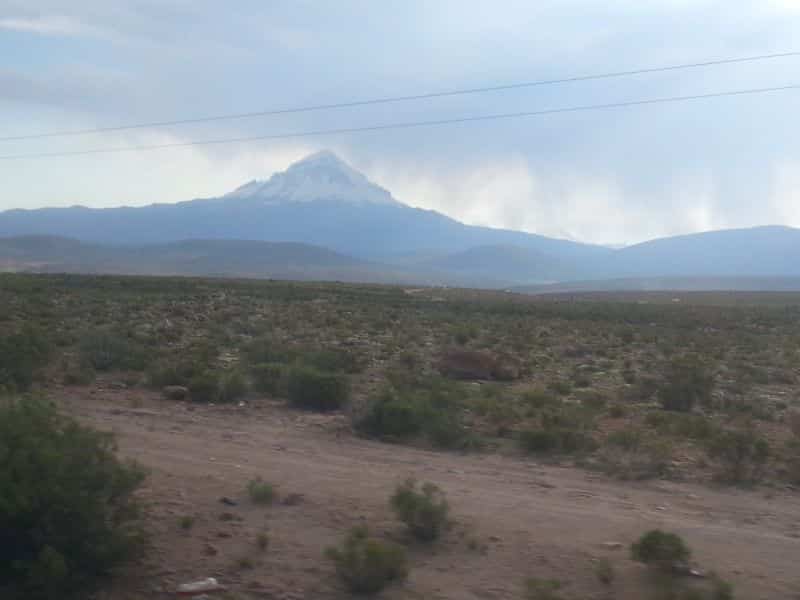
point(562, 430)
point(367, 565)
point(542, 589)
point(317, 390)
point(269, 378)
point(742, 454)
point(428, 407)
point(424, 510)
point(186, 522)
point(605, 571)
point(260, 491)
point(625, 458)
point(337, 361)
point(232, 386)
point(204, 387)
point(660, 549)
point(688, 382)
point(22, 354)
point(393, 416)
point(105, 350)
point(67, 509)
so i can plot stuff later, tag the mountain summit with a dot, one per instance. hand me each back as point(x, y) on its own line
point(321, 176)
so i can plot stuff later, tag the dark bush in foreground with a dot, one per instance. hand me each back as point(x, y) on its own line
point(660, 549)
point(21, 355)
point(269, 378)
point(367, 565)
point(317, 390)
point(67, 510)
point(424, 510)
point(204, 387)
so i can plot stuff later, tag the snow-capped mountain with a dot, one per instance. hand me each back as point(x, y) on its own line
point(321, 176)
point(318, 201)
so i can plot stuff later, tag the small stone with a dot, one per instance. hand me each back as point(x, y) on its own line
point(613, 545)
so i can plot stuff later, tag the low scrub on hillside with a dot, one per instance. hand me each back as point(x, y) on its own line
point(423, 508)
point(313, 389)
point(367, 565)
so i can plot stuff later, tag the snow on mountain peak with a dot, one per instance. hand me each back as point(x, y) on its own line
point(320, 176)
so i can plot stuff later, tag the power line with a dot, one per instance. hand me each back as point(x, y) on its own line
point(412, 124)
point(391, 99)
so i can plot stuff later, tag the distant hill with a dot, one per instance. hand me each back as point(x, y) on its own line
point(216, 258)
point(233, 258)
point(508, 263)
point(321, 219)
point(669, 284)
point(758, 251)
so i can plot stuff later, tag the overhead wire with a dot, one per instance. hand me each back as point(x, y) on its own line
point(410, 124)
point(394, 99)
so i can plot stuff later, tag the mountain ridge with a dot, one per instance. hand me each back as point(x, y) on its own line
point(323, 202)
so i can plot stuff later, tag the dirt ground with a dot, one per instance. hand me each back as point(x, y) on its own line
point(528, 519)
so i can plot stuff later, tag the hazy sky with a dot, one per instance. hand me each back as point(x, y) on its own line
point(613, 176)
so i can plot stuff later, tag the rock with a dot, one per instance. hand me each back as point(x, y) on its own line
point(293, 499)
point(613, 545)
point(210, 550)
point(175, 392)
point(228, 502)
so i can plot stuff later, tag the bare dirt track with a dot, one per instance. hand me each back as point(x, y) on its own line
point(535, 520)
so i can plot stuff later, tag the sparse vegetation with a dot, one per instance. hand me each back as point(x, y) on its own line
point(542, 589)
point(260, 491)
point(367, 565)
point(313, 389)
point(660, 549)
point(424, 509)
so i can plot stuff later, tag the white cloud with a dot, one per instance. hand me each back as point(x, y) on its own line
point(51, 25)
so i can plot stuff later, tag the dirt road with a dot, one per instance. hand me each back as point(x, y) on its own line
point(535, 520)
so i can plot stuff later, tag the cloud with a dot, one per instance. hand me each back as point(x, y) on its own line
point(605, 176)
point(58, 25)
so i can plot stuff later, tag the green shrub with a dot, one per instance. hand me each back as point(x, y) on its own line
point(106, 350)
point(367, 565)
point(427, 407)
point(424, 510)
point(562, 430)
point(204, 387)
point(260, 491)
point(312, 389)
point(269, 378)
point(688, 381)
point(660, 549)
point(391, 416)
point(22, 354)
point(336, 361)
point(742, 455)
point(67, 509)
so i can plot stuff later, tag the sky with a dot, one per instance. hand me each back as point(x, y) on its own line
point(614, 176)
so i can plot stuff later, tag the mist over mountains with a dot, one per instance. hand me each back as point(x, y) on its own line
point(321, 219)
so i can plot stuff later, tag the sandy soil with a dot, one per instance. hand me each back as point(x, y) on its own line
point(534, 520)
